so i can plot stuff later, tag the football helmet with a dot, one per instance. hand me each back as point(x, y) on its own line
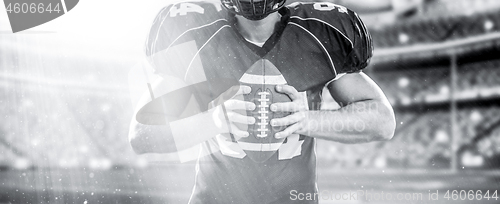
point(253, 9)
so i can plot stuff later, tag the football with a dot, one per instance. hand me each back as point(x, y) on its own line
point(262, 77)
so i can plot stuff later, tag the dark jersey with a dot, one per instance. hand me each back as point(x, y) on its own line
point(314, 44)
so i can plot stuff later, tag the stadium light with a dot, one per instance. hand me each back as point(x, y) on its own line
point(444, 90)
point(403, 82)
point(470, 159)
point(488, 25)
point(100, 163)
point(403, 38)
point(22, 163)
point(475, 116)
point(442, 137)
point(405, 101)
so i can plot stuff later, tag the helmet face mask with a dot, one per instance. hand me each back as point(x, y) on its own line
point(252, 9)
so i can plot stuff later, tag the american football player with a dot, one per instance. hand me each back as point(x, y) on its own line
point(202, 50)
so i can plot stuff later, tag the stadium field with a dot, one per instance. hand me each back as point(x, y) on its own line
point(172, 184)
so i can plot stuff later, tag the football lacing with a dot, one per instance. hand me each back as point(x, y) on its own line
point(263, 111)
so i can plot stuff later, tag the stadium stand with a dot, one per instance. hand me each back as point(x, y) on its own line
point(97, 113)
point(479, 79)
point(426, 31)
point(421, 92)
point(450, 8)
point(98, 128)
point(421, 141)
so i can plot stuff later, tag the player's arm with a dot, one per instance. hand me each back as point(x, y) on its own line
point(364, 105)
point(149, 130)
point(175, 125)
point(151, 139)
point(365, 114)
point(173, 117)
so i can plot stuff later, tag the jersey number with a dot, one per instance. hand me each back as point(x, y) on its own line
point(183, 8)
point(327, 6)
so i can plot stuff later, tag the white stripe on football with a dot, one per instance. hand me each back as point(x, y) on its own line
point(259, 79)
point(263, 72)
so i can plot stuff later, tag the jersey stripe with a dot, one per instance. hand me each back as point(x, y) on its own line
point(321, 21)
point(319, 43)
point(191, 29)
point(182, 34)
point(198, 52)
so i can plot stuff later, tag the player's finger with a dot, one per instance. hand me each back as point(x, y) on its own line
point(230, 93)
point(243, 89)
point(289, 90)
point(234, 104)
point(234, 92)
point(238, 118)
point(237, 133)
point(287, 107)
point(288, 131)
point(288, 120)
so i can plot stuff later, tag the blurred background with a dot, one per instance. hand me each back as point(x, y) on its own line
point(65, 106)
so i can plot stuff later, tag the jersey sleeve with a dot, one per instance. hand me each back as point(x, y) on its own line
point(172, 47)
point(175, 35)
point(339, 30)
point(362, 47)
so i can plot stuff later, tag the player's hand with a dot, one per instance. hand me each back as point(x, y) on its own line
point(233, 110)
point(297, 107)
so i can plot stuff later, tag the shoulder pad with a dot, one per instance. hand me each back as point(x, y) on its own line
point(339, 21)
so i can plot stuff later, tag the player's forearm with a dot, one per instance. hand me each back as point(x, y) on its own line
point(359, 122)
point(177, 135)
point(151, 138)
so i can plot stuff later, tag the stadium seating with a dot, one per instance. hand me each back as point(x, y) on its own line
point(481, 79)
point(421, 141)
point(427, 31)
point(450, 8)
point(39, 136)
